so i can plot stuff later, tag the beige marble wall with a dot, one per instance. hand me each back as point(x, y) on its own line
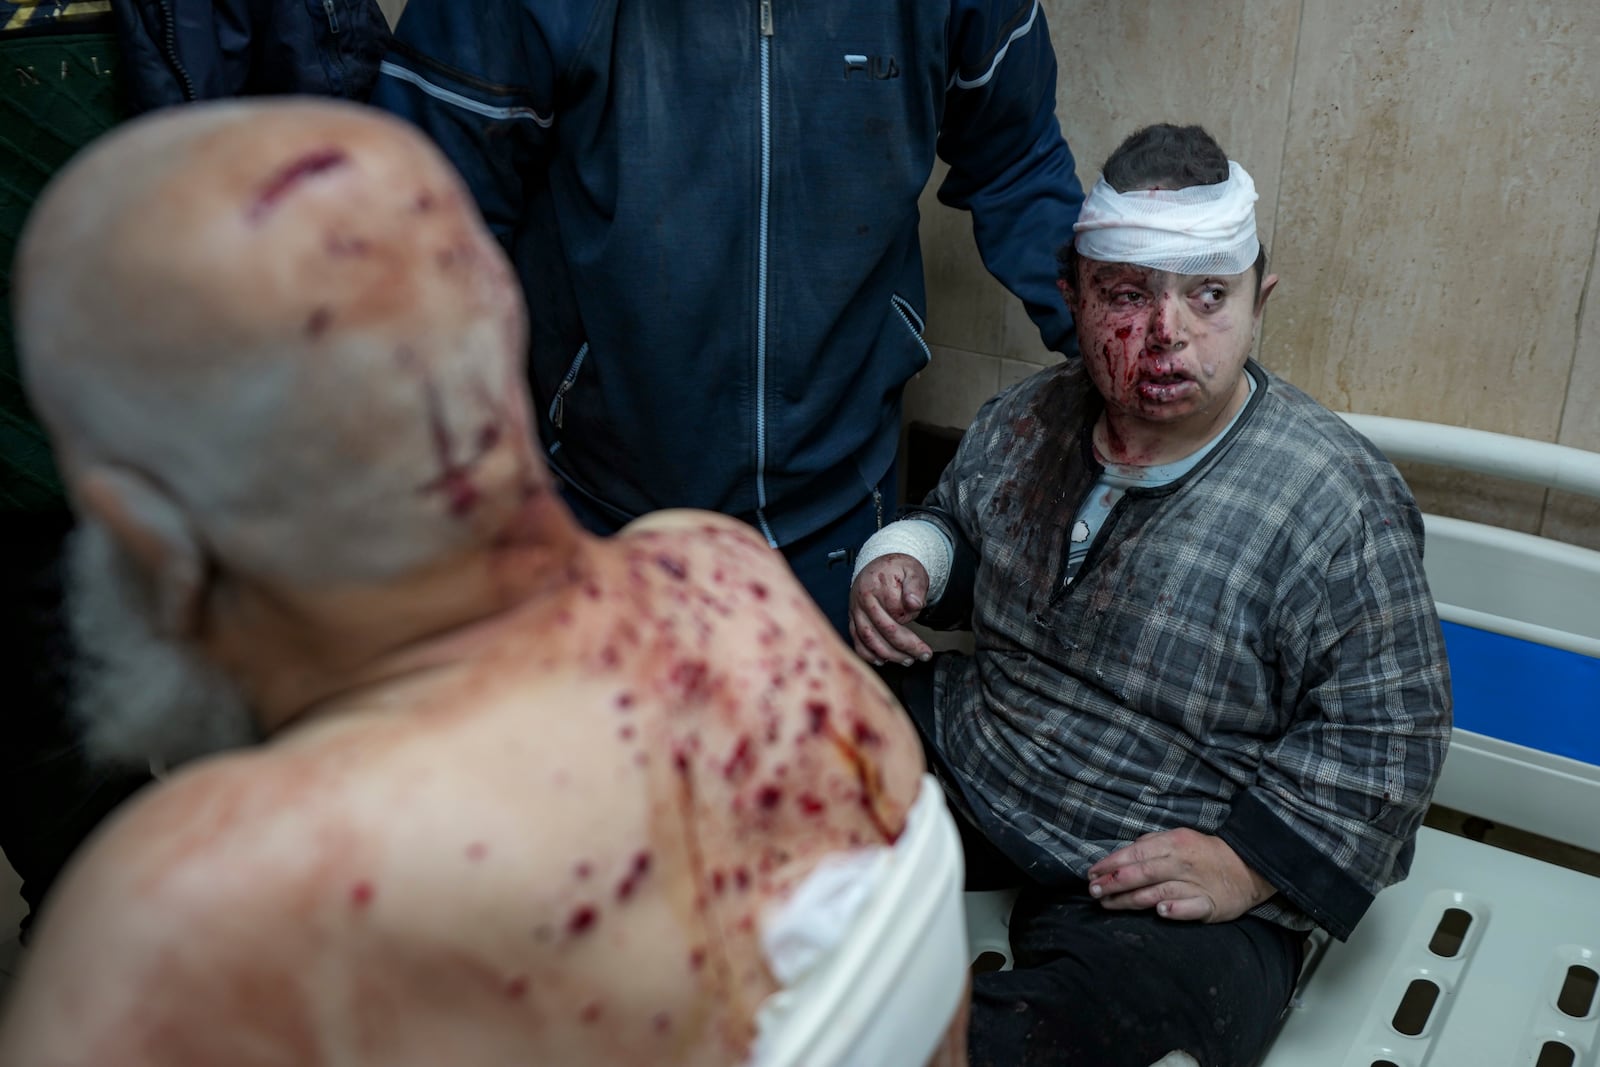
point(392, 9)
point(1430, 179)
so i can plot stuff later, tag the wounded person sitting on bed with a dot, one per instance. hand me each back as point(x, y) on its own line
point(494, 791)
point(1208, 696)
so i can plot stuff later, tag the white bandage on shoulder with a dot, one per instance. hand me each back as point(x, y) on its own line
point(919, 539)
point(871, 950)
point(1204, 229)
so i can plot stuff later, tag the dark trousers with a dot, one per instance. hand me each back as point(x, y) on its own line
point(822, 561)
point(1098, 988)
point(50, 796)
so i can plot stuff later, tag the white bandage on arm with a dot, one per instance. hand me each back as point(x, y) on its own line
point(919, 539)
point(870, 951)
point(1204, 229)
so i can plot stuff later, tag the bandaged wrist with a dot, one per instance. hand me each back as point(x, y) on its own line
point(919, 539)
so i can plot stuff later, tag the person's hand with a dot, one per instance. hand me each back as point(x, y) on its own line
point(889, 591)
point(1183, 874)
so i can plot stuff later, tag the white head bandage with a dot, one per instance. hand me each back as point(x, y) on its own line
point(1204, 229)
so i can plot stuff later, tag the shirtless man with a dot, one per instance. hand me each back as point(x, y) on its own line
point(498, 792)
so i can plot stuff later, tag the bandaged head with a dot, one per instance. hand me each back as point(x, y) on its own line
point(1203, 229)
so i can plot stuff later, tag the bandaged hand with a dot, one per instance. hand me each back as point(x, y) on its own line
point(1183, 874)
point(889, 591)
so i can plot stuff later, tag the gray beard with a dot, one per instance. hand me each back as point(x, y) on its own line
point(140, 697)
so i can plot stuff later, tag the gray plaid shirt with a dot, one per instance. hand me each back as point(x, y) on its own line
point(1251, 651)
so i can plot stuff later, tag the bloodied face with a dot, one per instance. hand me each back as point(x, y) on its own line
point(1166, 350)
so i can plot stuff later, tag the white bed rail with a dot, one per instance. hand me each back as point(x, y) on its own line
point(1519, 986)
point(1553, 466)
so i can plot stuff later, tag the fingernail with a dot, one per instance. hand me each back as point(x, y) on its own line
point(1095, 891)
point(913, 602)
point(908, 661)
point(877, 663)
point(1163, 908)
point(926, 656)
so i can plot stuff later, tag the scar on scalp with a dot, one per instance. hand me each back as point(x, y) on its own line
point(291, 174)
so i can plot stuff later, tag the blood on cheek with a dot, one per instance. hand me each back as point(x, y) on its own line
point(1123, 330)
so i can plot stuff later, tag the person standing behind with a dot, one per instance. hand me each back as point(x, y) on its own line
point(713, 211)
point(1208, 698)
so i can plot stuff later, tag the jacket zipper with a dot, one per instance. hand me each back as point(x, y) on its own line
point(558, 404)
point(333, 16)
point(170, 47)
point(766, 30)
point(913, 321)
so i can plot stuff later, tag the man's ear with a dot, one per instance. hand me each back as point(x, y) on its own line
point(1068, 293)
point(1269, 283)
point(150, 526)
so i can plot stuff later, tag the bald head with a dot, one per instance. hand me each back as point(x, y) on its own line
point(279, 356)
point(284, 325)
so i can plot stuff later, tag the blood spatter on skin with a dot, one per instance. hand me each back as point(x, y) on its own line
point(661, 1023)
point(867, 774)
point(517, 988)
point(811, 804)
point(637, 871)
point(590, 1013)
point(675, 567)
point(697, 958)
point(817, 716)
point(741, 762)
point(691, 676)
point(768, 797)
point(583, 870)
point(625, 732)
point(477, 851)
point(454, 480)
point(424, 203)
point(318, 321)
point(741, 879)
point(609, 657)
point(758, 590)
point(719, 882)
point(320, 161)
point(346, 246)
point(865, 735)
point(361, 895)
point(582, 919)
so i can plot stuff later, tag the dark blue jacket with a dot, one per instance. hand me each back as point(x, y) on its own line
point(176, 51)
point(713, 209)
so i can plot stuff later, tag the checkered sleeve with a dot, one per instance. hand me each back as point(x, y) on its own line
point(1332, 816)
point(953, 507)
